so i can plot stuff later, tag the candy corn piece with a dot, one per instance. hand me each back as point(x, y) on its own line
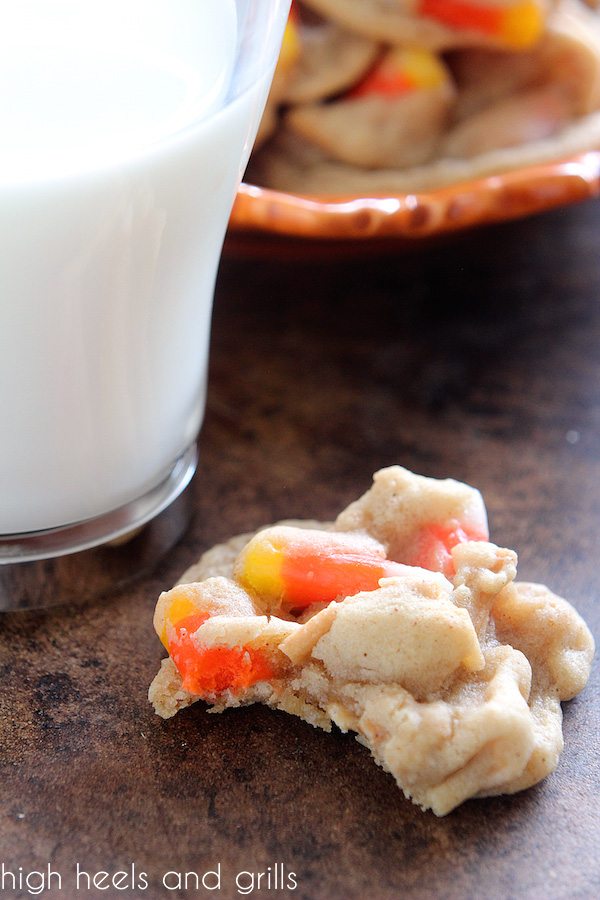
point(290, 44)
point(197, 602)
point(401, 71)
point(290, 568)
point(208, 667)
point(517, 25)
point(433, 545)
point(207, 671)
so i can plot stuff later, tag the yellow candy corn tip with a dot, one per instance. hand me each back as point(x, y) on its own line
point(422, 67)
point(181, 606)
point(290, 47)
point(522, 25)
point(260, 568)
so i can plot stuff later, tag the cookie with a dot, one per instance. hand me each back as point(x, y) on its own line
point(408, 118)
point(329, 61)
point(440, 24)
point(400, 622)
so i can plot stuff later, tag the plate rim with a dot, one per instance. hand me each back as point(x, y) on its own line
point(492, 198)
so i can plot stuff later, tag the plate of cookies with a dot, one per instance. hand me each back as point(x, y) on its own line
point(411, 118)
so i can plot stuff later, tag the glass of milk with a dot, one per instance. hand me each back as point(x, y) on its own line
point(127, 125)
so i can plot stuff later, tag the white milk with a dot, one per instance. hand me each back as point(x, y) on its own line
point(119, 161)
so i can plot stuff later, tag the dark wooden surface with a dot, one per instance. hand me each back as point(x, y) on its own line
point(478, 359)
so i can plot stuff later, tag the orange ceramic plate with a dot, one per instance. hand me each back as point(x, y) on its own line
point(496, 198)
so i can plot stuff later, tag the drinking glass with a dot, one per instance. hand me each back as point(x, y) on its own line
point(128, 127)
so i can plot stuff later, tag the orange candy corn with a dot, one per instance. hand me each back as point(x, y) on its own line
point(517, 25)
point(290, 568)
point(401, 71)
point(434, 543)
point(207, 671)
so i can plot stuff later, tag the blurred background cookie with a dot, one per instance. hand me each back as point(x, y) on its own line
point(393, 118)
point(441, 24)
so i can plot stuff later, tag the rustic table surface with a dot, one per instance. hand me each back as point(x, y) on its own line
point(477, 359)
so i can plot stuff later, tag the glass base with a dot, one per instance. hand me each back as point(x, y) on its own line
point(87, 559)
